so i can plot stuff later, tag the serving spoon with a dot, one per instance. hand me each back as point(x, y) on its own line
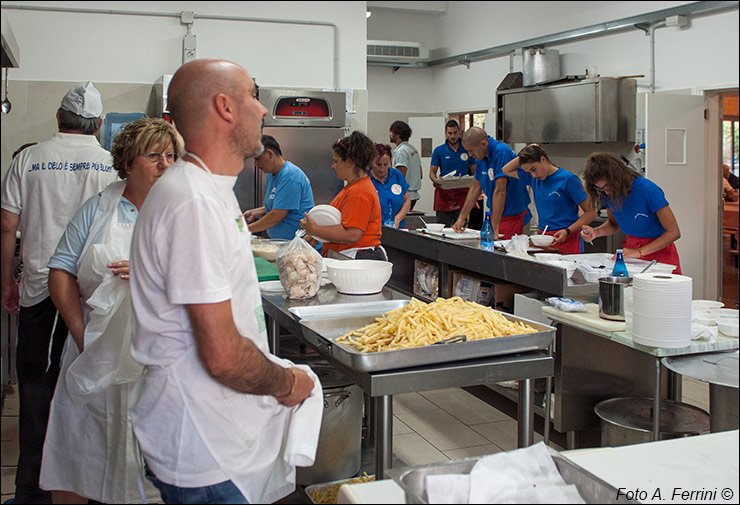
point(6, 105)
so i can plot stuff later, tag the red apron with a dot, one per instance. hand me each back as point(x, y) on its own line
point(667, 255)
point(449, 200)
point(511, 225)
point(571, 245)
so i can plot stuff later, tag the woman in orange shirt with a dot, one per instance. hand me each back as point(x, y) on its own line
point(358, 235)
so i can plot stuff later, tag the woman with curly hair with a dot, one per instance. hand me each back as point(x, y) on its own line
point(89, 447)
point(635, 205)
point(358, 235)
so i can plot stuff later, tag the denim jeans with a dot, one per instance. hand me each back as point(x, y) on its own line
point(225, 492)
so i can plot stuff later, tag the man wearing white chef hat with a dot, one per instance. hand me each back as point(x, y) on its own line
point(45, 185)
point(218, 418)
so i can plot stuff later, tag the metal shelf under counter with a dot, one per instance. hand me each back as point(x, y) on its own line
point(404, 246)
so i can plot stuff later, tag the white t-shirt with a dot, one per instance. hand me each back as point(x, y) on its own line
point(187, 249)
point(406, 155)
point(45, 185)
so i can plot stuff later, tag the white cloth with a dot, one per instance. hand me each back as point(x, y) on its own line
point(84, 100)
point(89, 447)
point(45, 185)
point(190, 246)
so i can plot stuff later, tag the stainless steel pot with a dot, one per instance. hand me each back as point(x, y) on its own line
point(540, 65)
point(611, 297)
point(340, 439)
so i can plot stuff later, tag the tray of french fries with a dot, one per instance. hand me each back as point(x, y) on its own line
point(328, 492)
point(419, 334)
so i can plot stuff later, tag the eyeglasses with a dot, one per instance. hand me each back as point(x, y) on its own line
point(600, 190)
point(154, 157)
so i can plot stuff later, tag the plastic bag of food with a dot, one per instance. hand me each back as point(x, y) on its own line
point(299, 268)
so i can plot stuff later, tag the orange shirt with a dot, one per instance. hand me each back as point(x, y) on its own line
point(358, 202)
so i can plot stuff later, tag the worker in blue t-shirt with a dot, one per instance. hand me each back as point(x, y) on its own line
point(558, 194)
point(450, 158)
point(506, 198)
point(392, 188)
point(288, 194)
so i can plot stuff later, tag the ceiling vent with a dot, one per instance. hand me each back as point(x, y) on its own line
point(396, 52)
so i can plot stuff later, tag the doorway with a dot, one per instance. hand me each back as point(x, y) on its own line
point(730, 155)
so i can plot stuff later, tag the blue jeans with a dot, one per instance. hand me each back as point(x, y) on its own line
point(225, 492)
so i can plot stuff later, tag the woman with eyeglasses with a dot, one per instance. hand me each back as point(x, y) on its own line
point(358, 235)
point(635, 205)
point(558, 195)
point(89, 447)
point(392, 188)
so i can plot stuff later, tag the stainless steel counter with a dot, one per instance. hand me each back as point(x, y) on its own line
point(380, 386)
point(403, 246)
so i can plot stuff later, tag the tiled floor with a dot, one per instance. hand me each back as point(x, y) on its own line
point(429, 427)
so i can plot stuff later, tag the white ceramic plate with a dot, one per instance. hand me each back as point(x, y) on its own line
point(271, 286)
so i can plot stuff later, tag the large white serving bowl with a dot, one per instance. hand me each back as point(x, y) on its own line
point(706, 304)
point(359, 277)
point(542, 240)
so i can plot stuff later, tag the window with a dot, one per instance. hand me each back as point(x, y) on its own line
point(730, 131)
point(466, 120)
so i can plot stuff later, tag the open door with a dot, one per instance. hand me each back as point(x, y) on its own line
point(675, 160)
point(427, 133)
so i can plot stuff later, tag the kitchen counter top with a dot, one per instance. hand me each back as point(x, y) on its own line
point(403, 246)
point(655, 472)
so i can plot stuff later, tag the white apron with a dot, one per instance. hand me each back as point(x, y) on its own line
point(254, 440)
point(89, 446)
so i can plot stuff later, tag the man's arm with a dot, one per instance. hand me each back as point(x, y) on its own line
point(237, 363)
point(65, 293)
point(8, 228)
point(472, 197)
point(433, 175)
point(402, 169)
point(497, 203)
point(272, 218)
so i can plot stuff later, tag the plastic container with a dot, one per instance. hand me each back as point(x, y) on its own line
point(487, 238)
point(388, 216)
point(542, 240)
point(620, 269)
point(359, 277)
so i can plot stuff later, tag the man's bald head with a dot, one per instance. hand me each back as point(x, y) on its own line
point(474, 135)
point(194, 86)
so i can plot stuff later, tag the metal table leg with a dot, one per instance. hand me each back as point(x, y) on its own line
point(525, 414)
point(273, 334)
point(383, 434)
point(656, 402)
point(548, 404)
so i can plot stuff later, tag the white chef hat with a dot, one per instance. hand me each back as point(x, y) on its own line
point(84, 100)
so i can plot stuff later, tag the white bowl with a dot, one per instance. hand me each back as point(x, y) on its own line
point(547, 257)
point(729, 327)
point(436, 227)
point(726, 313)
point(541, 240)
point(704, 317)
point(705, 304)
point(568, 265)
point(326, 215)
point(359, 277)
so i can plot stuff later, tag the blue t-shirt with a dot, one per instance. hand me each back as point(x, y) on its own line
point(394, 188)
point(556, 198)
point(637, 216)
point(73, 240)
point(490, 169)
point(448, 160)
point(288, 190)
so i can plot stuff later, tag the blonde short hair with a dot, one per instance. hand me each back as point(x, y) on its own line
point(138, 137)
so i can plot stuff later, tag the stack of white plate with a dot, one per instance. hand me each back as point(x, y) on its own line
point(661, 310)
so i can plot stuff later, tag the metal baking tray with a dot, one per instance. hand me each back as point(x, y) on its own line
point(323, 333)
point(335, 310)
point(591, 488)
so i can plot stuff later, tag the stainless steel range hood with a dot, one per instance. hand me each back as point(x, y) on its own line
point(593, 110)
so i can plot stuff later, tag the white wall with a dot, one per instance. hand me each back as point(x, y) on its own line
point(702, 55)
point(136, 49)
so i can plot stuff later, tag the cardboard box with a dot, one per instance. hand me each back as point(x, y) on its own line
point(485, 290)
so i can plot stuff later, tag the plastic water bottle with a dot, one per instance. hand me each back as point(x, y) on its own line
point(389, 219)
point(620, 269)
point(486, 234)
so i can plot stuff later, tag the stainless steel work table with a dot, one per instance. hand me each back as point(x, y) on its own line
point(403, 246)
point(381, 386)
point(624, 338)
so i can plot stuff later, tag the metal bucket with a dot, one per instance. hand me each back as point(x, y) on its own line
point(540, 65)
point(340, 439)
point(611, 297)
point(627, 421)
